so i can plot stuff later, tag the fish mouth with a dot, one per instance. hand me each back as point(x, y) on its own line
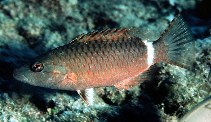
point(19, 76)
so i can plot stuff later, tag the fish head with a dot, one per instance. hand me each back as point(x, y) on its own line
point(43, 73)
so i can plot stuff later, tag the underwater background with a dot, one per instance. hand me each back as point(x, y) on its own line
point(29, 28)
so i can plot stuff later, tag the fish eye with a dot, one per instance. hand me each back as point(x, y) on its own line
point(37, 67)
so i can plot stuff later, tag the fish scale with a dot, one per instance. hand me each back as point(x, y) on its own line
point(115, 49)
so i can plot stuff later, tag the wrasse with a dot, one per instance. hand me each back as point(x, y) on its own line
point(112, 57)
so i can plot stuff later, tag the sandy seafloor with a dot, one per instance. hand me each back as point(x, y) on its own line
point(29, 28)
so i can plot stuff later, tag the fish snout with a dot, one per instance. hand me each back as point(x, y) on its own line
point(19, 74)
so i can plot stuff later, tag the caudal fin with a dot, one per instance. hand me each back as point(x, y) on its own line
point(176, 45)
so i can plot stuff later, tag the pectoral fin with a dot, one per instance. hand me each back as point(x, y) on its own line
point(128, 83)
point(87, 95)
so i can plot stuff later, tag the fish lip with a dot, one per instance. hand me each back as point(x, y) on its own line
point(18, 76)
point(15, 74)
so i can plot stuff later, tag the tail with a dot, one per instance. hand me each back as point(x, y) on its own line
point(176, 45)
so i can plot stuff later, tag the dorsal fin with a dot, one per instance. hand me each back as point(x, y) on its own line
point(104, 35)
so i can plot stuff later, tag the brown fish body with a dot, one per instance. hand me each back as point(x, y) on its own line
point(102, 63)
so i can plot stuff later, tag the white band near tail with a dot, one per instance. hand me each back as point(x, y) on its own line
point(150, 52)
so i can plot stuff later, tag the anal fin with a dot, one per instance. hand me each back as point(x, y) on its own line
point(147, 75)
point(150, 73)
point(87, 95)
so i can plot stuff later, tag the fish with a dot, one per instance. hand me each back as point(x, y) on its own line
point(120, 57)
